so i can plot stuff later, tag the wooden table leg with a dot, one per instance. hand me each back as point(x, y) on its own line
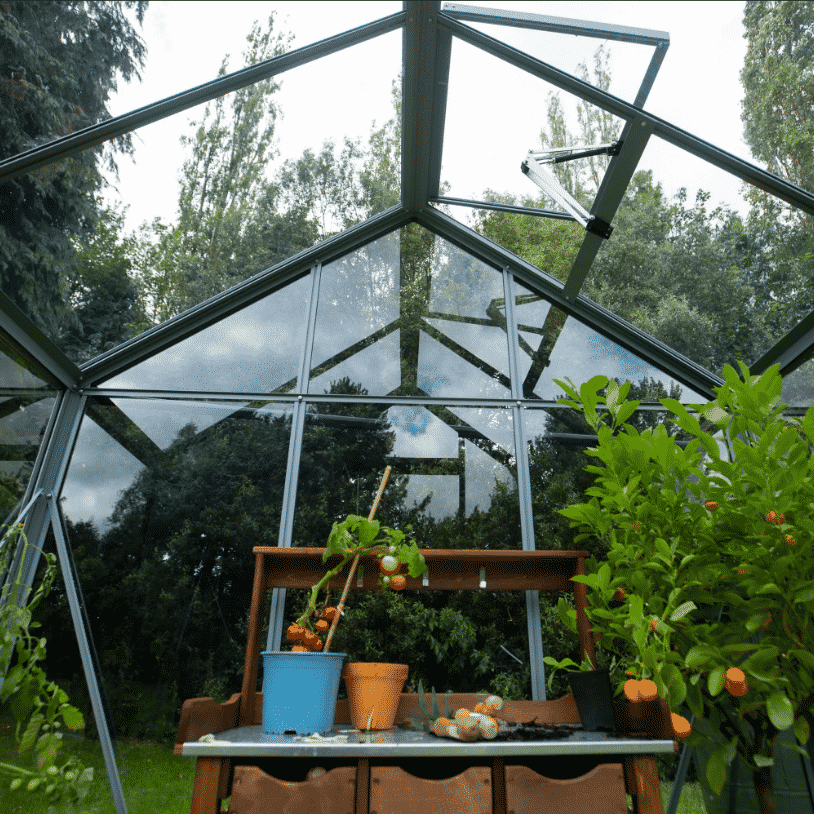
point(643, 776)
point(498, 786)
point(205, 797)
point(362, 801)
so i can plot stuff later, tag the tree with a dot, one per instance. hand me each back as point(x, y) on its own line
point(778, 84)
point(60, 63)
point(102, 291)
point(596, 126)
point(221, 182)
point(778, 118)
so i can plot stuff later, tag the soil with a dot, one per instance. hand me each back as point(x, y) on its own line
point(532, 731)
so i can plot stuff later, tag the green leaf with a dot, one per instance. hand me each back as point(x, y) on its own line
point(31, 732)
point(716, 680)
point(682, 610)
point(780, 710)
point(761, 761)
point(422, 701)
point(802, 730)
point(698, 656)
point(436, 710)
point(716, 772)
point(625, 412)
point(804, 594)
point(72, 717)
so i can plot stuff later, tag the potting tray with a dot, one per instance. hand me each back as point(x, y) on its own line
point(250, 741)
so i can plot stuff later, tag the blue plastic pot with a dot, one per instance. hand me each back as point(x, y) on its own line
point(300, 691)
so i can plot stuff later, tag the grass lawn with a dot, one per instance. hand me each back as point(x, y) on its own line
point(157, 782)
point(154, 780)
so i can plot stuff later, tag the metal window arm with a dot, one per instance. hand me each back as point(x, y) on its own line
point(534, 167)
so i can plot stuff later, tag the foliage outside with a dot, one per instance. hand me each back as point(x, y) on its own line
point(710, 563)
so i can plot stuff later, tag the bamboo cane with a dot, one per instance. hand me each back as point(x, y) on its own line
point(354, 564)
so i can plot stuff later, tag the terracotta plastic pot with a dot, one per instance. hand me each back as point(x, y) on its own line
point(374, 690)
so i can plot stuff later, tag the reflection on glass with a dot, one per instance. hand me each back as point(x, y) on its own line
point(358, 309)
point(17, 371)
point(23, 419)
point(553, 345)
point(162, 520)
point(27, 397)
point(454, 484)
point(798, 386)
point(453, 469)
point(255, 350)
point(467, 315)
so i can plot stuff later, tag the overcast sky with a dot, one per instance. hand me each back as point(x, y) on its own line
point(493, 112)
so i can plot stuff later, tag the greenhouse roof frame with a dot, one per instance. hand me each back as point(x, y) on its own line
point(428, 30)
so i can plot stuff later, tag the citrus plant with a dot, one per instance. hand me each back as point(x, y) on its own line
point(708, 585)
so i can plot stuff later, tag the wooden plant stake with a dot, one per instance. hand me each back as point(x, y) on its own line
point(355, 562)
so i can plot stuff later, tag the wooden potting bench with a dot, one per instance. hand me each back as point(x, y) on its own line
point(405, 771)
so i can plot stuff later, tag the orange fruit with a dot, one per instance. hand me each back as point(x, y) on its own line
point(294, 633)
point(398, 582)
point(328, 612)
point(322, 625)
point(710, 505)
point(298, 648)
point(620, 595)
point(653, 623)
point(681, 726)
point(310, 640)
point(631, 690)
point(736, 682)
point(648, 690)
point(791, 541)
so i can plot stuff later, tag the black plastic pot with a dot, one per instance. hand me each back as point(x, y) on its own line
point(594, 699)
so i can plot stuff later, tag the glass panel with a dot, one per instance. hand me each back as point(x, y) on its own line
point(27, 399)
point(357, 311)
point(23, 419)
point(798, 386)
point(458, 459)
point(710, 266)
point(454, 482)
point(550, 244)
point(495, 115)
point(162, 521)
point(553, 345)
point(186, 49)
point(576, 54)
point(255, 350)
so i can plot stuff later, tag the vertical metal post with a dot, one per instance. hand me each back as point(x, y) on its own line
point(277, 610)
point(533, 620)
point(78, 616)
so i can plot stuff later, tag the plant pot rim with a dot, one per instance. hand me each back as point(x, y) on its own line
point(374, 669)
point(299, 654)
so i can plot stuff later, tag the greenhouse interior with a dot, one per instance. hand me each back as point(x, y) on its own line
point(502, 214)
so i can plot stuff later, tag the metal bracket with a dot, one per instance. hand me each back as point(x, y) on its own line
point(534, 167)
point(600, 228)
